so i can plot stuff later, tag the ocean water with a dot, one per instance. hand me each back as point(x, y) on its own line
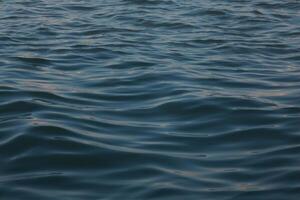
point(149, 100)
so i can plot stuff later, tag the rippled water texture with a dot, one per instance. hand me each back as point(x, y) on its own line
point(149, 99)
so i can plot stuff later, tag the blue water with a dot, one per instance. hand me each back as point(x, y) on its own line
point(149, 100)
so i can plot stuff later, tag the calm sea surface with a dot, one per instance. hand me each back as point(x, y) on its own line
point(149, 100)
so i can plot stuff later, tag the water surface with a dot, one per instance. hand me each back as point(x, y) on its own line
point(149, 99)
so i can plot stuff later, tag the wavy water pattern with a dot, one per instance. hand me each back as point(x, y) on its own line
point(149, 99)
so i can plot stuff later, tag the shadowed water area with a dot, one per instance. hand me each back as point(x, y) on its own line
point(149, 100)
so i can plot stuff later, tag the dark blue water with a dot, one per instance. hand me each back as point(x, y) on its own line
point(149, 99)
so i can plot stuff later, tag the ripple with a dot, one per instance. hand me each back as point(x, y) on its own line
point(149, 99)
